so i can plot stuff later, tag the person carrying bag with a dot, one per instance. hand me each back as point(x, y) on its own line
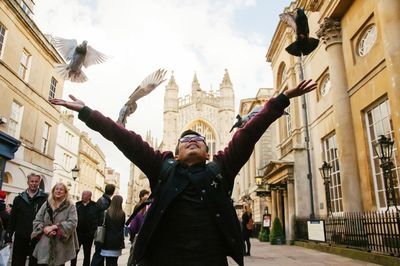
point(100, 233)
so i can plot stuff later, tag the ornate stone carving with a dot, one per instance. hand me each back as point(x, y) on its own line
point(330, 31)
point(314, 5)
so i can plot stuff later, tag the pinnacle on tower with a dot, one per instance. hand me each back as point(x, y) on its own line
point(195, 83)
point(171, 82)
point(226, 80)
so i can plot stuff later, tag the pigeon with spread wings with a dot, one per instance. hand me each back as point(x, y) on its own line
point(148, 85)
point(76, 56)
point(304, 44)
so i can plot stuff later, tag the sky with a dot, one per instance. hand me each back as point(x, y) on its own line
point(140, 36)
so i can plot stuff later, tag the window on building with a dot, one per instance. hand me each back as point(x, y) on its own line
point(207, 132)
point(335, 188)
point(45, 138)
point(14, 125)
point(24, 65)
point(2, 38)
point(379, 122)
point(26, 8)
point(281, 74)
point(288, 122)
point(67, 161)
point(367, 40)
point(325, 86)
point(53, 86)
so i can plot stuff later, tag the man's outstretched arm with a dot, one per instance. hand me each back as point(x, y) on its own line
point(131, 144)
point(239, 149)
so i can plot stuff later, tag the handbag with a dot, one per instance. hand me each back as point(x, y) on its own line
point(100, 233)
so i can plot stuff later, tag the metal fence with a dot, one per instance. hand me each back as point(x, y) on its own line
point(369, 231)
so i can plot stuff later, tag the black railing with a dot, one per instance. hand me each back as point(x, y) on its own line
point(370, 231)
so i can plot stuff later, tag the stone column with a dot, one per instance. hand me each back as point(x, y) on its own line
point(291, 209)
point(389, 20)
point(279, 204)
point(273, 203)
point(330, 33)
point(286, 210)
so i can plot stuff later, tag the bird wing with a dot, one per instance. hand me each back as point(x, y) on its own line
point(93, 57)
point(66, 47)
point(148, 85)
point(288, 19)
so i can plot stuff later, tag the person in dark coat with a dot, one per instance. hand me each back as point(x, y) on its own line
point(246, 232)
point(87, 223)
point(24, 210)
point(191, 220)
point(114, 239)
point(137, 221)
point(102, 205)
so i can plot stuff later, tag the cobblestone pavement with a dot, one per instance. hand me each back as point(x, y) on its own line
point(265, 254)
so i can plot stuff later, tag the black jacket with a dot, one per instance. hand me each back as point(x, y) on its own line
point(87, 218)
point(24, 212)
point(102, 205)
point(114, 233)
point(150, 161)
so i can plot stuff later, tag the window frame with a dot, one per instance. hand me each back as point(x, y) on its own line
point(3, 37)
point(53, 88)
point(24, 67)
point(15, 118)
point(44, 146)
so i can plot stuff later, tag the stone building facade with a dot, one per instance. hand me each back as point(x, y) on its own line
point(27, 80)
point(356, 66)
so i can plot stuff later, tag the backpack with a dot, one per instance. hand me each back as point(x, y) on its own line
point(250, 224)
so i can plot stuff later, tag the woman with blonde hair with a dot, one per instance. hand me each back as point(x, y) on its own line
point(114, 239)
point(55, 227)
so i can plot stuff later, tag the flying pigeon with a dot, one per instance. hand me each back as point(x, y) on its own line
point(148, 85)
point(304, 44)
point(77, 56)
point(241, 121)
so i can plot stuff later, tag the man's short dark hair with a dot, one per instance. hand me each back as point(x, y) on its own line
point(185, 133)
point(143, 192)
point(109, 189)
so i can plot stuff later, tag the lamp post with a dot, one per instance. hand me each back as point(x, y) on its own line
point(75, 172)
point(384, 151)
point(325, 171)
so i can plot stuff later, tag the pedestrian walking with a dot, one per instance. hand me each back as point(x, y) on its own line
point(247, 229)
point(87, 211)
point(102, 205)
point(55, 229)
point(191, 220)
point(137, 221)
point(23, 212)
point(113, 244)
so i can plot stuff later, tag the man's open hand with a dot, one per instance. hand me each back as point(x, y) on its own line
point(303, 87)
point(75, 105)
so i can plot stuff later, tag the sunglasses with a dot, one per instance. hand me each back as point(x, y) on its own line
point(193, 138)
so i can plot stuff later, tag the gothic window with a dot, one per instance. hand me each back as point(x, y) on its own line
point(335, 187)
point(379, 122)
point(325, 85)
point(367, 40)
point(207, 132)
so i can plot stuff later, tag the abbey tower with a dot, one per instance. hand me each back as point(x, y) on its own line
point(212, 114)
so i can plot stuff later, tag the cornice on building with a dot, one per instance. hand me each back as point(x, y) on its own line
point(34, 30)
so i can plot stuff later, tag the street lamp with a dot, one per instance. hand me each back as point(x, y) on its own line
point(75, 172)
point(325, 171)
point(384, 151)
point(259, 180)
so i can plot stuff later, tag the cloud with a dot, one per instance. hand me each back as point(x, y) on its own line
point(142, 36)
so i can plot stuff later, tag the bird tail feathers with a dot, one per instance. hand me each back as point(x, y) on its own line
point(294, 49)
point(67, 74)
point(310, 46)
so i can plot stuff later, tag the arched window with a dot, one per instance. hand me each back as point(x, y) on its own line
point(206, 131)
point(281, 74)
point(367, 40)
point(7, 179)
